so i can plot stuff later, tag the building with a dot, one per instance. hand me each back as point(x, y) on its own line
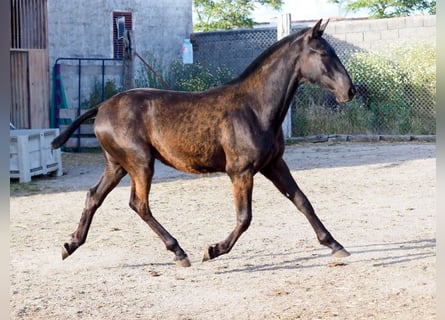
point(46, 30)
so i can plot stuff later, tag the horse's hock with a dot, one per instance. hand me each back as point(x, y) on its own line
point(30, 153)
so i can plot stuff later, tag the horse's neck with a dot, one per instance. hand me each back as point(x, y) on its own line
point(273, 83)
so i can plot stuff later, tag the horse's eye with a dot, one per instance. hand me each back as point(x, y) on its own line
point(323, 53)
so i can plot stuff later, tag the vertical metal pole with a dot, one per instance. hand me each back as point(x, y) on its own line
point(283, 30)
point(78, 103)
point(103, 81)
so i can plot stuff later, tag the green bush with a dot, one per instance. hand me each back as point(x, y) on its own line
point(384, 79)
point(401, 87)
point(181, 77)
point(109, 90)
point(196, 77)
point(386, 83)
point(419, 63)
point(146, 78)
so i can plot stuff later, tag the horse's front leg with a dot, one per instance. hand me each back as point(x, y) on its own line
point(242, 186)
point(279, 174)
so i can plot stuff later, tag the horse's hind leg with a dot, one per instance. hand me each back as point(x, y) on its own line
point(279, 174)
point(111, 176)
point(141, 178)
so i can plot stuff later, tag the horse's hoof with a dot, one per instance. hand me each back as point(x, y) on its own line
point(342, 253)
point(65, 253)
point(206, 256)
point(183, 263)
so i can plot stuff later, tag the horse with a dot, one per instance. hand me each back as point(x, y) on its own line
point(235, 128)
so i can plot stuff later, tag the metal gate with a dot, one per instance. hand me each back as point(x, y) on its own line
point(80, 84)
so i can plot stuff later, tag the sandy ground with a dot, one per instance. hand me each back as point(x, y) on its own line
point(378, 200)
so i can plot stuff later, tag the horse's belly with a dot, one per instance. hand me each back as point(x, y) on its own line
point(192, 160)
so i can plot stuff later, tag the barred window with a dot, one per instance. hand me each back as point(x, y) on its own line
point(121, 21)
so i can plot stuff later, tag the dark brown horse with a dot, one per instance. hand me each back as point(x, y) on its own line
point(234, 128)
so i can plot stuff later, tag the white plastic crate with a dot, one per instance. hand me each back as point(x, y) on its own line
point(30, 153)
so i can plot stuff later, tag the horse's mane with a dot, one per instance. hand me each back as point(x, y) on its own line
point(266, 53)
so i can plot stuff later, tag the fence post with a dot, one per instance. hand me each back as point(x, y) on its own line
point(128, 60)
point(283, 30)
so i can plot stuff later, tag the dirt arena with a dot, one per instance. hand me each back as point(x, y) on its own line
point(378, 200)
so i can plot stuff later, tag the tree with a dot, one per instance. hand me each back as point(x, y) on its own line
point(389, 8)
point(227, 14)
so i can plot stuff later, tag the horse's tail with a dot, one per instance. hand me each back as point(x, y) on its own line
point(64, 136)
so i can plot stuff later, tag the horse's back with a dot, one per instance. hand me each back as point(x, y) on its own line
point(174, 126)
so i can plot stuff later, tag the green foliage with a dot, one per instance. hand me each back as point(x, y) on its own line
point(386, 83)
point(109, 90)
point(390, 8)
point(146, 78)
point(419, 64)
point(227, 14)
point(195, 77)
point(384, 78)
point(401, 87)
point(182, 77)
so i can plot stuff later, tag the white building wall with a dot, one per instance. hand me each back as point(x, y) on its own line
point(83, 28)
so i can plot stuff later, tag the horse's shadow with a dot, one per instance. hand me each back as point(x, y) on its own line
point(396, 253)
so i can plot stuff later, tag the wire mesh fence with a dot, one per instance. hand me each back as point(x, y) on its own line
point(396, 94)
point(396, 86)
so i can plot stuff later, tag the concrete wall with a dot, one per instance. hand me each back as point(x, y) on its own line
point(379, 34)
point(347, 36)
point(83, 28)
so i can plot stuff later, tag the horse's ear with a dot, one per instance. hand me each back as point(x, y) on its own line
point(317, 30)
point(323, 27)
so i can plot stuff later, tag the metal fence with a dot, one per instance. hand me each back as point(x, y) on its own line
point(79, 84)
point(396, 94)
point(396, 87)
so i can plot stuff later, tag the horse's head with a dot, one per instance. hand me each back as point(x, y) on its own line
point(320, 64)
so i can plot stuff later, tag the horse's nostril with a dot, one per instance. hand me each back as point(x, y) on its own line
point(351, 92)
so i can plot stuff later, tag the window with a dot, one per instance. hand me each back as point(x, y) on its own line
point(121, 21)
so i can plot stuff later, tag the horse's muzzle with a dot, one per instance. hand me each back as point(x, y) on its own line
point(351, 92)
point(347, 96)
